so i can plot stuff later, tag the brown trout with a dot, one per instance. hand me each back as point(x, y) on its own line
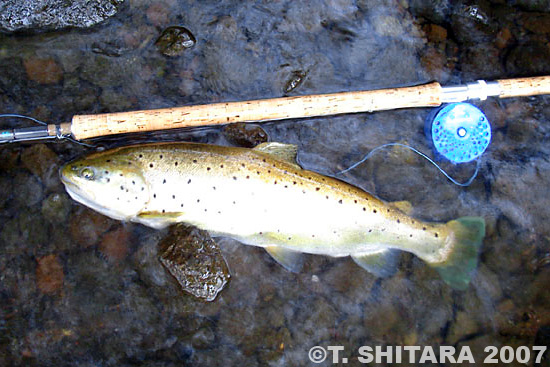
point(262, 197)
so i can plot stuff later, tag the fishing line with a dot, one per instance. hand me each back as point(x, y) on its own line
point(463, 184)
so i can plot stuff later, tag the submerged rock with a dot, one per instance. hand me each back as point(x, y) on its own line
point(195, 260)
point(52, 15)
point(174, 40)
point(245, 135)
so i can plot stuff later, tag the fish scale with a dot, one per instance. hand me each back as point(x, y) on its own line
point(260, 197)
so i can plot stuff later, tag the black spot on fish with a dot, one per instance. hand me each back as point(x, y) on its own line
point(317, 188)
point(108, 161)
point(275, 182)
point(364, 209)
point(175, 163)
point(160, 156)
point(136, 197)
point(118, 198)
point(173, 196)
point(194, 161)
point(120, 174)
point(370, 230)
point(355, 201)
point(423, 228)
point(374, 210)
point(164, 181)
point(189, 181)
point(141, 155)
point(151, 165)
point(340, 201)
point(398, 221)
point(208, 168)
point(214, 187)
point(155, 196)
point(303, 191)
point(108, 179)
point(122, 187)
point(286, 186)
point(436, 235)
point(106, 172)
point(198, 200)
point(258, 172)
point(142, 188)
point(247, 177)
point(181, 205)
point(221, 165)
point(263, 160)
point(235, 178)
point(164, 211)
point(326, 197)
point(268, 171)
point(234, 203)
point(205, 210)
point(242, 165)
point(289, 238)
point(410, 235)
point(294, 182)
point(133, 182)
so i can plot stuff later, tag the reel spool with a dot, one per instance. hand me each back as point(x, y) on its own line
point(459, 132)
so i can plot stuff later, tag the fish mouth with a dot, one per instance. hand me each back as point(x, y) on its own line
point(73, 188)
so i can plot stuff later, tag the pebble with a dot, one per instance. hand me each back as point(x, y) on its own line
point(86, 226)
point(174, 41)
point(114, 244)
point(245, 134)
point(43, 163)
point(56, 208)
point(49, 274)
point(43, 70)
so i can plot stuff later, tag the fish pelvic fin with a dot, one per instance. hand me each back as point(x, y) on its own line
point(382, 264)
point(290, 260)
point(459, 266)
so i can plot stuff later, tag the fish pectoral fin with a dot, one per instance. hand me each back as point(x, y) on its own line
point(283, 152)
point(159, 215)
point(383, 264)
point(290, 260)
point(404, 205)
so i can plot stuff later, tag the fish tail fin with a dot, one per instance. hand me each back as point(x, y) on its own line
point(457, 269)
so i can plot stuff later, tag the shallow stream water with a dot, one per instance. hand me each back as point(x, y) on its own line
point(80, 289)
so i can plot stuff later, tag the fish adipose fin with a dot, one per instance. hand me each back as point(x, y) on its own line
point(383, 264)
point(459, 266)
point(290, 260)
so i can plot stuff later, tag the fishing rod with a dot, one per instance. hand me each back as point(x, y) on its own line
point(427, 95)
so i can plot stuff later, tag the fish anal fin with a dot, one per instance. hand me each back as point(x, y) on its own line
point(404, 206)
point(283, 152)
point(383, 264)
point(290, 260)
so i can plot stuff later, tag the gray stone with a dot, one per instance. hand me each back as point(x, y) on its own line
point(52, 15)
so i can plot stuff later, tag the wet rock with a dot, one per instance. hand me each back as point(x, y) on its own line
point(503, 38)
point(6, 187)
point(434, 62)
point(462, 327)
point(472, 24)
point(245, 135)
point(56, 208)
point(87, 226)
point(195, 260)
point(28, 190)
point(44, 163)
point(43, 71)
point(174, 41)
point(158, 14)
point(115, 244)
point(49, 274)
point(295, 80)
point(50, 15)
point(483, 59)
point(530, 57)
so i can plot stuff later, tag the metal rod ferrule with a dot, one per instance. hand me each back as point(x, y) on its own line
point(25, 134)
point(477, 90)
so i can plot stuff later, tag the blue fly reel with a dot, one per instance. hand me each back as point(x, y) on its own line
point(460, 132)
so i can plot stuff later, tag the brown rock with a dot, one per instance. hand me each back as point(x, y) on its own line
point(43, 70)
point(503, 38)
point(114, 244)
point(435, 33)
point(49, 274)
point(87, 226)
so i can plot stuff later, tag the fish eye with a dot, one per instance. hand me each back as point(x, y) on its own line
point(87, 173)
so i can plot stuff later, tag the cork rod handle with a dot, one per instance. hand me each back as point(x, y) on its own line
point(521, 87)
point(89, 126)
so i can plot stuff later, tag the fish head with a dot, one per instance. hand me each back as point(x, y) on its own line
point(108, 183)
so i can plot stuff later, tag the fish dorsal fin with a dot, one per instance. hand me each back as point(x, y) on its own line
point(383, 264)
point(283, 152)
point(290, 260)
point(404, 206)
